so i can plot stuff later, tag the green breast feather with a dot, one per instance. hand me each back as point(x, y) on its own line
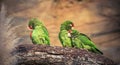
point(40, 36)
point(39, 32)
point(64, 39)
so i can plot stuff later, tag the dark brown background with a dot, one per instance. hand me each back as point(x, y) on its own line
point(99, 19)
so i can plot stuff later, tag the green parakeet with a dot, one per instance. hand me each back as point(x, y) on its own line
point(39, 34)
point(81, 40)
point(64, 35)
point(65, 38)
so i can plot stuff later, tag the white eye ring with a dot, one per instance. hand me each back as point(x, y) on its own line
point(70, 24)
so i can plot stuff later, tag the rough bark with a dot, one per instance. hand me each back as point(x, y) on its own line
point(28, 54)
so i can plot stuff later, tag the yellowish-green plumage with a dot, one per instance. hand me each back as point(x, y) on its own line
point(39, 33)
point(65, 39)
point(81, 40)
point(64, 34)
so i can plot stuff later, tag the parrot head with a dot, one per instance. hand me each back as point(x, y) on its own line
point(33, 23)
point(67, 25)
point(73, 33)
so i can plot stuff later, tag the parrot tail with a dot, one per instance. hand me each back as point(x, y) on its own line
point(98, 51)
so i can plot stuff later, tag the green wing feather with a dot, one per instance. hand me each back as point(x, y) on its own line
point(76, 40)
point(45, 30)
point(64, 39)
point(40, 36)
point(89, 44)
point(77, 43)
point(80, 40)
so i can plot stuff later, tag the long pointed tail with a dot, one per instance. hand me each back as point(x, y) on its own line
point(98, 51)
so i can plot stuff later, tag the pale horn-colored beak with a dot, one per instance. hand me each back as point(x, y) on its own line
point(72, 28)
point(69, 33)
point(29, 28)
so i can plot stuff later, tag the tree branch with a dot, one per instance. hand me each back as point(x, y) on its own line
point(29, 54)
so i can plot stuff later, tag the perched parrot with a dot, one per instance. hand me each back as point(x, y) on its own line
point(65, 39)
point(39, 34)
point(64, 35)
point(81, 40)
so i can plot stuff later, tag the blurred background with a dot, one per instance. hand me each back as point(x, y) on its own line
point(99, 19)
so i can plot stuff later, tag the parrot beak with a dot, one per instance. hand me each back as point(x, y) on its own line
point(72, 28)
point(29, 27)
point(69, 33)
